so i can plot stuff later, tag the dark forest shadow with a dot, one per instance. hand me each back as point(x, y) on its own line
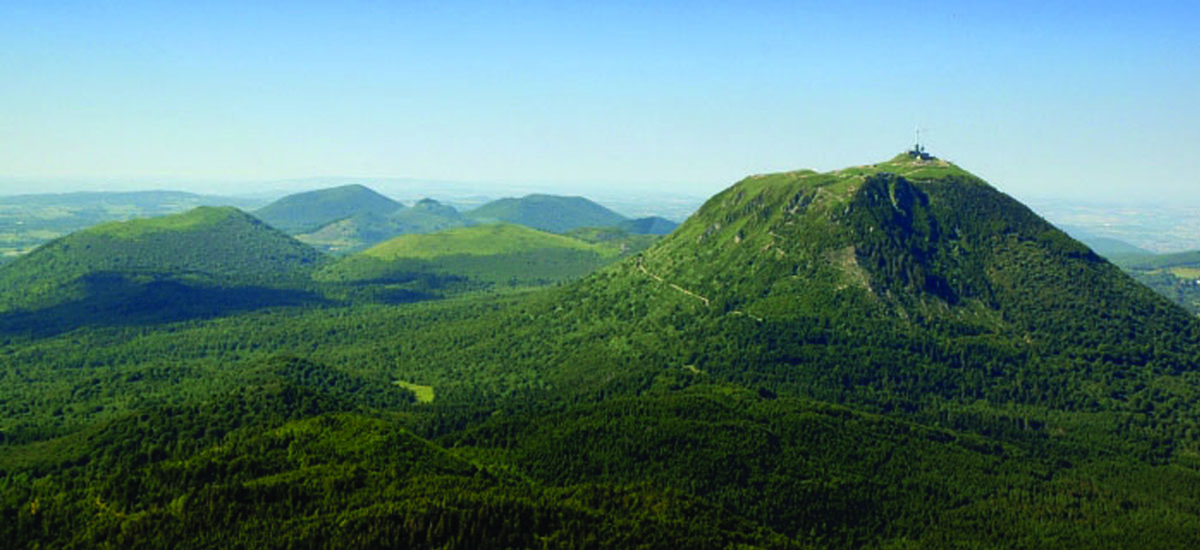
point(114, 301)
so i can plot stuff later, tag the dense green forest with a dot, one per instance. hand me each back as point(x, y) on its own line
point(887, 356)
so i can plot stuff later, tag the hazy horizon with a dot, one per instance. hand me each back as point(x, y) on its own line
point(1085, 100)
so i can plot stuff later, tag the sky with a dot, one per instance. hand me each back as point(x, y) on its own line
point(1087, 100)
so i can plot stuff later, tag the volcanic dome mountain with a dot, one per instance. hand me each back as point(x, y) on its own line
point(910, 277)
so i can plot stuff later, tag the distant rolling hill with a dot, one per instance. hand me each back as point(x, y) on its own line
point(1108, 247)
point(204, 259)
point(652, 225)
point(27, 221)
point(552, 213)
point(491, 254)
point(1176, 275)
point(365, 229)
point(309, 211)
point(1114, 248)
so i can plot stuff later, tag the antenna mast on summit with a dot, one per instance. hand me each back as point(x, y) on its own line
point(918, 150)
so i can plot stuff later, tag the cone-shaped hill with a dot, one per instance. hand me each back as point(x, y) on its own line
point(489, 254)
point(896, 283)
point(552, 213)
point(204, 247)
point(909, 291)
point(308, 211)
point(922, 241)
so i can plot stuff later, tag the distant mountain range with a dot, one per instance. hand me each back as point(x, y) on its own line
point(353, 217)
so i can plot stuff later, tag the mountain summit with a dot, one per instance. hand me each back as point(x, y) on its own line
point(911, 238)
point(909, 279)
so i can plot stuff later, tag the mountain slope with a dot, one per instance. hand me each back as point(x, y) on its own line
point(551, 213)
point(305, 212)
point(907, 239)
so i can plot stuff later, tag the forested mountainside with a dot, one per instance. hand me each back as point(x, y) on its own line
point(888, 356)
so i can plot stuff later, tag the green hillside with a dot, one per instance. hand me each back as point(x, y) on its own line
point(551, 213)
point(146, 263)
point(487, 254)
point(888, 356)
point(308, 211)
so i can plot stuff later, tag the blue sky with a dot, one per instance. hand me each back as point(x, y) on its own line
point(1084, 99)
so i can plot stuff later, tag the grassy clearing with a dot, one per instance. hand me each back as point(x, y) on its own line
point(424, 393)
point(1186, 272)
